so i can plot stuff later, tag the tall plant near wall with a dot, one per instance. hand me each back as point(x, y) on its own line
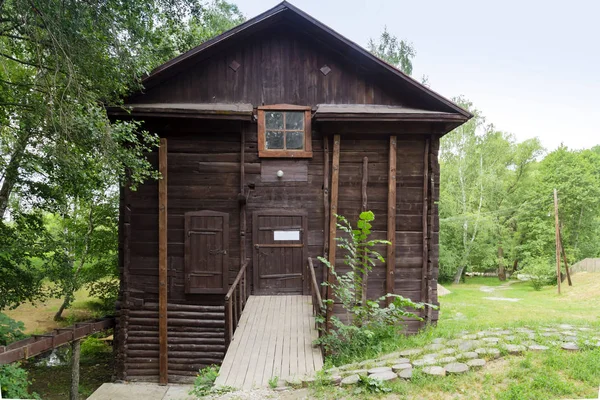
point(366, 321)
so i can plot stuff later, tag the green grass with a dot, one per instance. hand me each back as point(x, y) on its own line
point(553, 374)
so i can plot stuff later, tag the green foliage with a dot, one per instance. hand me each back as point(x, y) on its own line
point(370, 385)
point(14, 382)
point(10, 330)
point(273, 382)
point(540, 273)
point(22, 240)
point(106, 291)
point(93, 348)
point(485, 177)
point(204, 381)
point(367, 322)
point(398, 53)
point(61, 157)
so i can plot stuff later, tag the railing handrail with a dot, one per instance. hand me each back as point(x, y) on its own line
point(237, 280)
point(315, 284)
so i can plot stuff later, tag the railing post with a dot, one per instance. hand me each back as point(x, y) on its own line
point(229, 320)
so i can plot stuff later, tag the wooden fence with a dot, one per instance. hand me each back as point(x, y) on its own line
point(587, 265)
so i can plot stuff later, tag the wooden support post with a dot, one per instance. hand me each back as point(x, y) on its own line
point(425, 225)
point(557, 238)
point(243, 210)
point(434, 171)
point(75, 353)
point(562, 249)
point(162, 263)
point(335, 178)
point(391, 221)
point(325, 207)
point(365, 182)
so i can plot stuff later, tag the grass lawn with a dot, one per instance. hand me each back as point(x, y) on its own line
point(39, 318)
point(554, 374)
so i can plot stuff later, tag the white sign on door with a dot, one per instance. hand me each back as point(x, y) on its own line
point(286, 235)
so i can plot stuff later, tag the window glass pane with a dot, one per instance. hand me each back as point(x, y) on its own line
point(274, 140)
point(294, 120)
point(274, 119)
point(294, 140)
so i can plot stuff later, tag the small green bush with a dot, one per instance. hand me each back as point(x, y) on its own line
point(93, 348)
point(10, 330)
point(14, 382)
point(205, 380)
point(540, 273)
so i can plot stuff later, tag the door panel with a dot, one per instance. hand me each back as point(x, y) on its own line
point(206, 252)
point(280, 239)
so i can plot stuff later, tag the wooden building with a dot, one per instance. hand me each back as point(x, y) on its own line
point(267, 131)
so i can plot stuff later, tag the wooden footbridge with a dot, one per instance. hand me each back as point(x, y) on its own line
point(274, 338)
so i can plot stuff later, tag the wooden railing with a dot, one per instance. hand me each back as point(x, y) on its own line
point(235, 301)
point(315, 291)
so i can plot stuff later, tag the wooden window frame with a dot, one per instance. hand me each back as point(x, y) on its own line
point(263, 152)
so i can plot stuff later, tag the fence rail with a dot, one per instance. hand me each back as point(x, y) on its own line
point(37, 344)
point(235, 301)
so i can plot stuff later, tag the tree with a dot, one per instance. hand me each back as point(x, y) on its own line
point(398, 53)
point(62, 63)
point(483, 176)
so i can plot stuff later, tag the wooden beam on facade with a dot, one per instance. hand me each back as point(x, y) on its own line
point(325, 206)
point(391, 220)
point(363, 208)
point(243, 209)
point(425, 211)
point(335, 177)
point(162, 263)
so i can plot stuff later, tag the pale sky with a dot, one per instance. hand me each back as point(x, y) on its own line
point(531, 67)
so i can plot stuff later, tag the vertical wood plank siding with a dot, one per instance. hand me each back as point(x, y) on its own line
point(214, 165)
point(162, 262)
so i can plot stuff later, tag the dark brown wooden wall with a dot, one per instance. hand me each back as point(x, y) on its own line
point(203, 174)
point(281, 66)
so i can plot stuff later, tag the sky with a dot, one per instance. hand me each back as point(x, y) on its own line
point(531, 67)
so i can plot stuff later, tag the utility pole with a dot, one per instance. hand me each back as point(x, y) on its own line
point(557, 240)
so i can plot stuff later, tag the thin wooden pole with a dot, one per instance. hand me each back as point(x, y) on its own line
point(434, 171)
point(562, 250)
point(425, 225)
point(391, 220)
point(364, 184)
point(325, 207)
point(335, 177)
point(75, 353)
point(162, 263)
point(557, 240)
point(243, 209)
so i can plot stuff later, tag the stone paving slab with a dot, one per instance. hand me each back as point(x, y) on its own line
point(143, 391)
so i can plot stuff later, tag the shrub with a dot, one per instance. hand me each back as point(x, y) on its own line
point(10, 330)
point(204, 381)
point(14, 382)
point(540, 273)
point(93, 348)
point(367, 322)
point(106, 291)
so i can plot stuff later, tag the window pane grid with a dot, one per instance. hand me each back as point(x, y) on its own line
point(284, 130)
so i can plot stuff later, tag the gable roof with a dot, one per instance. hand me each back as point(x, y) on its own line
point(341, 44)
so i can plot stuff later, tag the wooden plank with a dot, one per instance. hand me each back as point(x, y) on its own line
point(255, 368)
point(391, 220)
point(270, 339)
point(325, 206)
point(424, 277)
point(243, 364)
point(557, 240)
point(162, 262)
point(287, 334)
point(335, 169)
point(364, 202)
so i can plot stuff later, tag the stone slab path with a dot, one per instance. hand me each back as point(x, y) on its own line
point(141, 391)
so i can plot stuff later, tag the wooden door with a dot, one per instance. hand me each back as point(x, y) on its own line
point(280, 252)
point(206, 252)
